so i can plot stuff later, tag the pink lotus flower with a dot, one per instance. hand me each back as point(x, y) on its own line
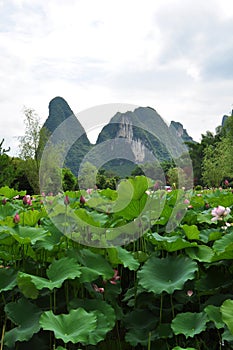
point(189, 293)
point(82, 200)
point(226, 182)
point(89, 190)
point(115, 277)
point(27, 200)
point(66, 200)
point(186, 201)
point(16, 218)
point(219, 212)
point(97, 289)
point(4, 201)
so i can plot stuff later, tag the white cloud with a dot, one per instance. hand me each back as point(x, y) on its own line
point(174, 56)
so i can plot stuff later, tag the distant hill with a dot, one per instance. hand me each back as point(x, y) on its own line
point(148, 138)
point(181, 132)
point(59, 112)
point(137, 136)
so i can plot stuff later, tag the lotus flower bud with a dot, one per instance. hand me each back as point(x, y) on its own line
point(66, 200)
point(16, 218)
point(82, 200)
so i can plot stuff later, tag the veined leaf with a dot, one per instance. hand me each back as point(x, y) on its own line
point(74, 327)
point(24, 314)
point(189, 323)
point(167, 274)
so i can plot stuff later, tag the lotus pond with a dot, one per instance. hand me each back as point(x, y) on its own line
point(168, 286)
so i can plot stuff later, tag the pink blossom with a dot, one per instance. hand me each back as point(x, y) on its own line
point(27, 200)
point(189, 293)
point(219, 212)
point(66, 200)
point(226, 182)
point(82, 200)
point(97, 289)
point(16, 218)
point(115, 277)
point(4, 201)
point(89, 190)
point(186, 201)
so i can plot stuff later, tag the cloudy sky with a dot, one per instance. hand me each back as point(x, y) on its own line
point(173, 55)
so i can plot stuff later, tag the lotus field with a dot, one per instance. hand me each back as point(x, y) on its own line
point(164, 283)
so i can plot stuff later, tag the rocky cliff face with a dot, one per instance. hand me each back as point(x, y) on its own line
point(138, 136)
point(60, 113)
point(181, 132)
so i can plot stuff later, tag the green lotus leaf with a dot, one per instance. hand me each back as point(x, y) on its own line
point(170, 244)
point(167, 274)
point(27, 234)
point(214, 279)
point(10, 192)
point(74, 327)
point(227, 255)
point(94, 261)
point(59, 271)
point(214, 315)
point(119, 255)
point(85, 217)
point(7, 210)
point(210, 235)
point(191, 231)
point(139, 336)
point(201, 253)
point(96, 305)
point(227, 336)
point(31, 217)
point(27, 287)
point(141, 319)
point(205, 218)
point(224, 244)
point(51, 240)
point(227, 313)
point(189, 323)
point(135, 197)
point(164, 331)
point(7, 279)
point(24, 314)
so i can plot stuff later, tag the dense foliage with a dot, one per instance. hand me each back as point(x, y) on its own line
point(164, 290)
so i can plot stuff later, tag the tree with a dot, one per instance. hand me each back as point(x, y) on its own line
point(177, 178)
point(69, 181)
point(87, 176)
point(28, 146)
point(6, 167)
point(217, 163)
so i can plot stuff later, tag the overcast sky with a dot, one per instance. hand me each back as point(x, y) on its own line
point(173, 55)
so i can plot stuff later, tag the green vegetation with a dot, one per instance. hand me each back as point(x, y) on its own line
point(160, 291)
